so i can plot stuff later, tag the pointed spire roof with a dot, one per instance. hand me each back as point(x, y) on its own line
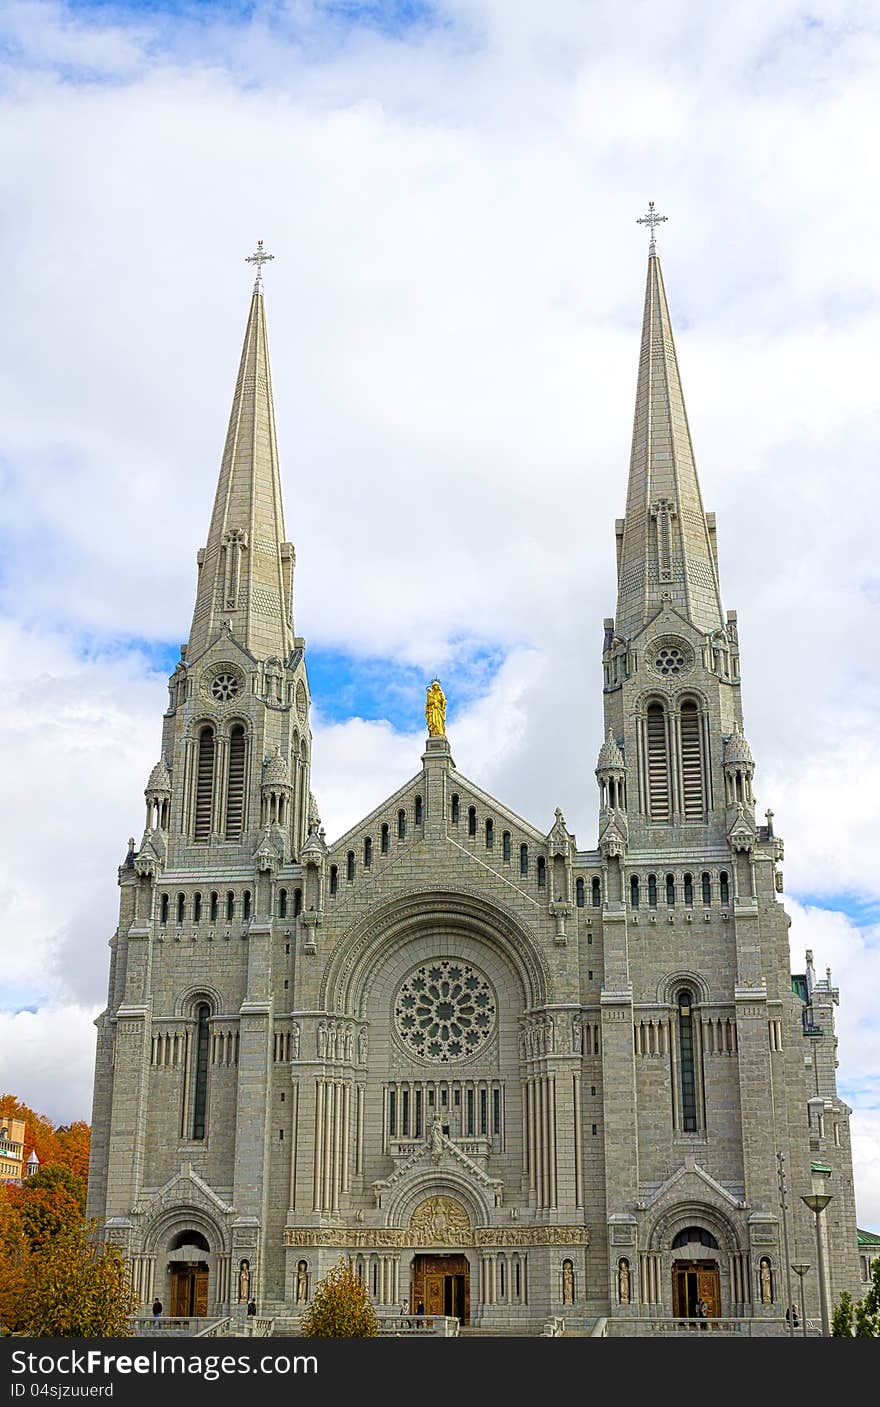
point(667, 553)
point(246, 568)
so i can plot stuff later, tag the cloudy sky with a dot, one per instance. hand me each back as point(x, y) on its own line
point(450, 188)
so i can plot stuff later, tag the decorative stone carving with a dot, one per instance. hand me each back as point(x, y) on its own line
point(440, 1221)
point(398, 1237)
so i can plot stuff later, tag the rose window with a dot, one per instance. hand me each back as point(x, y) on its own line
point(670, 661)
point(445, 1011)
point(224, 687)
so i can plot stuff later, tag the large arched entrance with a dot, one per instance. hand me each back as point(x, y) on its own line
point(188, 1275)
point(696, 1282)
point(441, 1284)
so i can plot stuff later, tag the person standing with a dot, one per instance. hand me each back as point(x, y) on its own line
point(157, 1308)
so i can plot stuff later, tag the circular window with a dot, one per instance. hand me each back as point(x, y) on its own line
point(445, 1011)
point(670, 661)
point(671, 657)
point(224, 687)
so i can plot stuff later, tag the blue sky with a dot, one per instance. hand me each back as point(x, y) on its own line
point(451, 193)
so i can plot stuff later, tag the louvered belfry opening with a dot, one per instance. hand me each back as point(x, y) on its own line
point(691, 762)
point(235, 785)
point(204, 785)
point(658, 763)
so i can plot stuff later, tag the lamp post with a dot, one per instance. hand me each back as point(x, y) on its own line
point(800, 1271)
point(817, 1202)
point(783, 1202)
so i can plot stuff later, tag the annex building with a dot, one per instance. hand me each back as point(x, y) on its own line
point(509, 1077)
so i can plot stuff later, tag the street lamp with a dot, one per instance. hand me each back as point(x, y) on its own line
point(800, 1271)
point(817, 1202)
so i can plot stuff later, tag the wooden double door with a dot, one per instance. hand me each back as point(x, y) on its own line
point(695, 1283)
point(442, 1285)
point(189, 1290)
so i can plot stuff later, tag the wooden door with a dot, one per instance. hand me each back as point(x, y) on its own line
point(180, 1293)
point(200, 1291)
point(434, 1287)
point(709, 1289)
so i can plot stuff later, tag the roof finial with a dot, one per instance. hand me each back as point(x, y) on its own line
point(260, 258)
point(652, 219)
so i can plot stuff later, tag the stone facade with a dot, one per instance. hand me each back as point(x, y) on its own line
point(506, 1076)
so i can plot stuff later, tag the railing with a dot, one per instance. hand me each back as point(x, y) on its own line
point(219, 1329)
point(438, 1326)
point(255, 1328)
point(600, 1329)
point(553, 1328)
point(145, 1325)
point(681, 1328)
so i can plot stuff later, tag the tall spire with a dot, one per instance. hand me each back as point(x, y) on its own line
point(668, 550)
point(246, 569)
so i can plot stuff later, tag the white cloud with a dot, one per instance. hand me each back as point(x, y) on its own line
point(454, 318)
point(47, 1058)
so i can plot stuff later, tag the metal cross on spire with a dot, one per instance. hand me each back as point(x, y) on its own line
point(260, 258)
point(652, 220)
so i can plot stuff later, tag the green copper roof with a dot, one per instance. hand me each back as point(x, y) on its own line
point(820, 1168)
point(867, 1238)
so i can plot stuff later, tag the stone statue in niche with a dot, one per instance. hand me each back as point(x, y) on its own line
point(294, 1041)
point(362, 1047)
point(322, 1038)
point(576, 1033)
point(766, 1281)
point(436, 1138)
point(244, 1282)
point(623, 1281)
point(567, 1282)
point(349, 1043)
point(302, 1283)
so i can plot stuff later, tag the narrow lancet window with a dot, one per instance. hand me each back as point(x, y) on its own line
point(658, 763)
point(235, 784)
point(200, 1081)
point(686, 1054)
point(691, 762)
point(204, 785)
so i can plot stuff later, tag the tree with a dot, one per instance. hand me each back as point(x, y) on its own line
point(73, 1147)
point(50, 1203)
point(77, 1288)
point(15, 1255)
point(862, 1319)
point(341, 1308)
point(842, 1321)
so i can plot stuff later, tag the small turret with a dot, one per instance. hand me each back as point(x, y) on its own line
point(158, 794)
point(739, 769)
point(611, 775)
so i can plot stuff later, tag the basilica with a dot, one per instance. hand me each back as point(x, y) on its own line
point(511, 1080)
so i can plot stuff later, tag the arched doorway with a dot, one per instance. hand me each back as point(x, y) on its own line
point(696, 1283)
point(188, 1275)
point(441, 1284)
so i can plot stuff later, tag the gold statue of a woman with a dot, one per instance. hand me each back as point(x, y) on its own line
point(435, 710)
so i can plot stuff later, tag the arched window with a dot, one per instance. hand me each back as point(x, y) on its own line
point(368, 851)
point(670, 890)
point(401, 825)
point(505, 846)
point(230, 903)
point(204, 785)
point(523, 859)
point(235, 783)
point(297, 902)
point(634, 891)
point(658, 763)
point(419, 811)
point(472, 820)
point(349, 866)
point(597, 892)
point(200, 1071)
point(706, 885)
point(579, 893)
point(197, 907)
point(383, 839)
point(181, 907)
point(689, 891)
point(724, 887)
point(652, 891)
point(282, 903)
point(691, 762)
point(490, 834)
point(695, 1236)
point(334, 879)
point(542, 872)
point(246, 904)
point(215, 901)
point(686, 1053)
point(163, 909)
point(455, 813)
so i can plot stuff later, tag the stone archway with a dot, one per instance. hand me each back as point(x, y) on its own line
point(441, 1276)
